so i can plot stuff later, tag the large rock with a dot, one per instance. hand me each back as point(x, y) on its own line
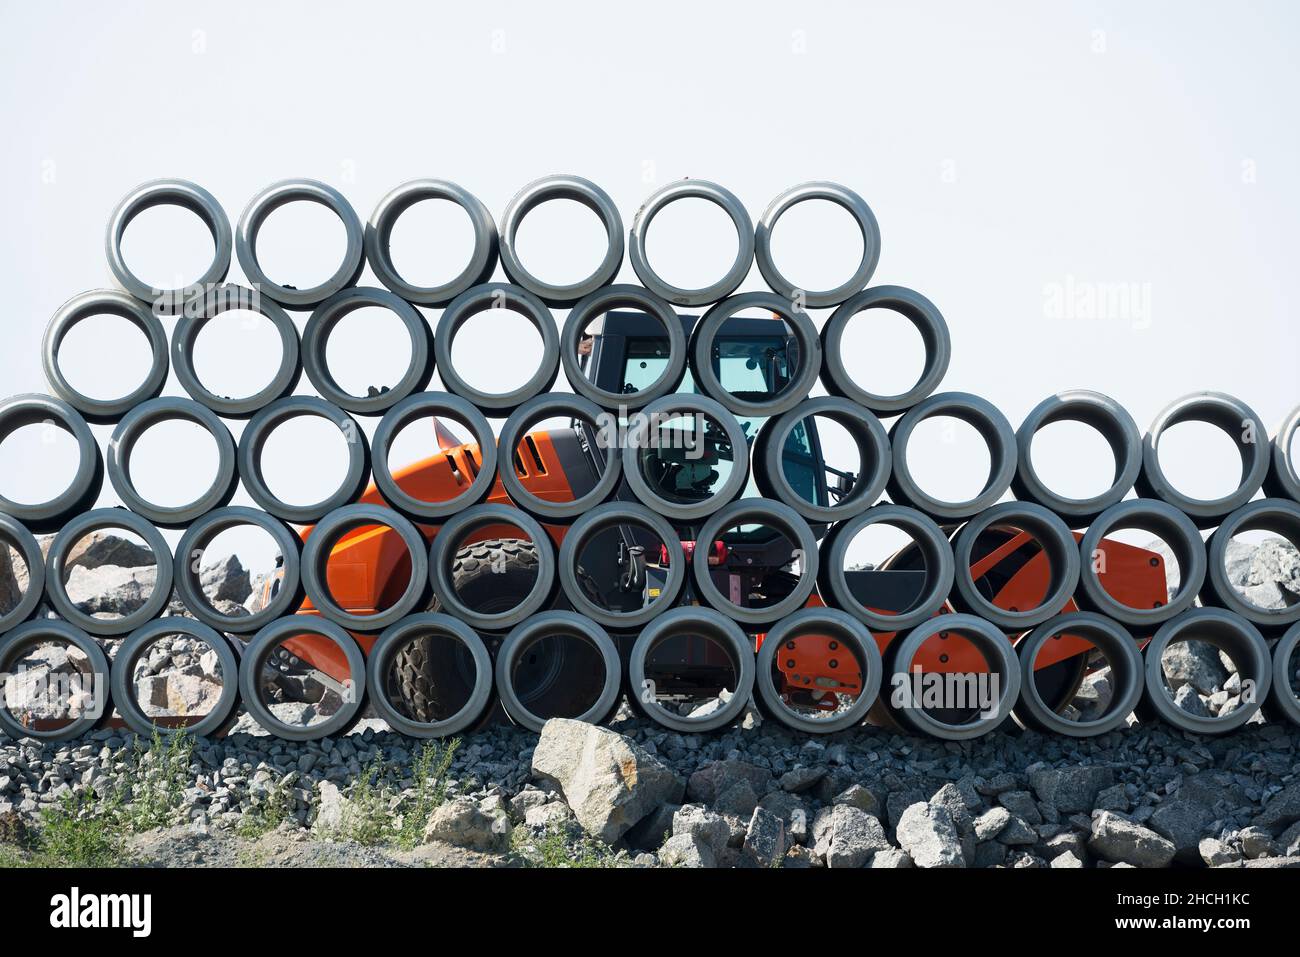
point(176, 693)
point(1283, 809)
point(226, 580)
point(461, 822)
point(929, 836)
point(848, 836)
point(765, 838)
point(712, 780)
point(1194, 663)
point(330, 810)
point(685, 850)
point(1267, 573)
point(702, 824)
point(1121, 841)
point(991, 823)
point(102, 548)
point(111, 589)
point(608, 782)
point(1071, 789)
point(1184, 823)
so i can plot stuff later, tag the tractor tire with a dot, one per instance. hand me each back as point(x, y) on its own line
point(491, 575)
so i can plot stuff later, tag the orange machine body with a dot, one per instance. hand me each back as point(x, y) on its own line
point(369, 568)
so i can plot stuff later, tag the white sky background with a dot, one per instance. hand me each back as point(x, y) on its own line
point(1009, 150)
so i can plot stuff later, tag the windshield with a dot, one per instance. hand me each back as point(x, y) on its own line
point(749, 367)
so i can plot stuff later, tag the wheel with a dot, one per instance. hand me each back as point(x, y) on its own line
point(490, 576)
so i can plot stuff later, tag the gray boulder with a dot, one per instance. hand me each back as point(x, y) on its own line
point(1267, 573)
point(1194, 663)
point(113, 590)
point(765, 838)
point(463, 823)
point(929, 836)
point(1121, 841)
point(1282, 810)
point(1071, 789)
point(608, 781)
point(890, 857)
point(702, 824)
point(686, 850)
point(1184, 823)
point(708, 783)
point(849, 837)
point(226, 580)
point(103, 548)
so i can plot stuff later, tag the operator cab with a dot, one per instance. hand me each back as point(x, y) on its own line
point(752, 359)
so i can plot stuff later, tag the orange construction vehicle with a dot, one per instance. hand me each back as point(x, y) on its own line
point(369, 568)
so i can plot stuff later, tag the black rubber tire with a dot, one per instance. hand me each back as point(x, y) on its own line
point(537, 628)
point(914, 307)
point(188, 559)
point(705, 333)
point(400, 650)
point(559, 405)
point(14, 534)
point(260, 648)
point(992, 426)
point(169, 192)
point(1160, 519)
point(379, 234)
point(927, 536)
point(775, 515)
point(1235, 636)
point(144, 417)
point(138, 642)
point(259, 429)
point(51, 629)
point(693, 620)
point(93, 521)
point(638, 437)
point(561, 187)
point(1122, 654)
point(873, 451)
point(1114, 424)
point(495, 295)
point(452, 568)
point(198, 313)
point(1282, 704)
point(315, 344)
point(574, 581)
point(271, 199)
point(316, 556)
point(998, 654)
point(433, 404)
point(1283, 480)
point(1057, 544)
point(692, 189)
point(856, 207)
point(1280, 516)
point(1239, 422)
point(113, 303)
point(829, 621)
point(604, 300)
